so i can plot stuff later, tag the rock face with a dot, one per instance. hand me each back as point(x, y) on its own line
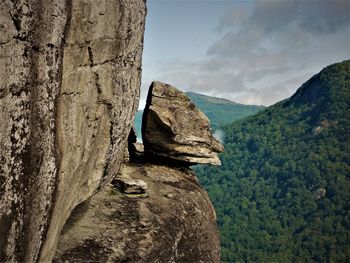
point(174, 128)
point(70, 77)
point(174, 223)
point(130, 186)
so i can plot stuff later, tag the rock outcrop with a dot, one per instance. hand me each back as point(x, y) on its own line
point(174, 128)
point(70, 77)
point(154, 210)
point(174, 222)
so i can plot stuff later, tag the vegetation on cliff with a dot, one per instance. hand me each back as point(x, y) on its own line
point(282, 193)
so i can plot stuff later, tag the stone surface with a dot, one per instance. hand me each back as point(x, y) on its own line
point(70, 76)
point(130, 186)
point(174, 223)
point(174, 128)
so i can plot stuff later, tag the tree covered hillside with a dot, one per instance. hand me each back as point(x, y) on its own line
point(282, 193)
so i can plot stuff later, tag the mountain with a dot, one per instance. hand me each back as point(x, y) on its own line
point(219, 111)
point(282, 193)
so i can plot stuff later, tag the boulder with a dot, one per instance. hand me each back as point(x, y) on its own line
point(173, 127)
point(130, 186)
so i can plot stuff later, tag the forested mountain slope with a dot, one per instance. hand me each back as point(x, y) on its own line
point(282, 193)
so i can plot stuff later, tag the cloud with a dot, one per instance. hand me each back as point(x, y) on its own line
point(280, 22)
point(325, 17)
point(234, 18)
point(219, 135)
point(263, 54)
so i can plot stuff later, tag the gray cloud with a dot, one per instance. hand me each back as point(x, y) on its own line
point(325, 17)
point(260, 73)
point(280, 22)
point(264, 54)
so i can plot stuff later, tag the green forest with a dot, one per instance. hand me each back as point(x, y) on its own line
point(282, 193)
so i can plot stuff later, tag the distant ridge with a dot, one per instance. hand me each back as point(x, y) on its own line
point(210, 99)
point(222, 111)
point(219, 111)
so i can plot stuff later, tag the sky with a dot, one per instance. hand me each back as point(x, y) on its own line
point(248, 51)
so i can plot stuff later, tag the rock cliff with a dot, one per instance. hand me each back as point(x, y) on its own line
point(70, 78)
point(154, 210)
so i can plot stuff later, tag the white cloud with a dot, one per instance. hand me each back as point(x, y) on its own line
point(219, 135)
point(263, 56)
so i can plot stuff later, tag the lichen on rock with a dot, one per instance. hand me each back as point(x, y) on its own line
point(70, 77)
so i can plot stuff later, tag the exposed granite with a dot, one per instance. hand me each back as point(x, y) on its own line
point(173, 127)
point(31, 54)
point(70, 76)
point(174, 223)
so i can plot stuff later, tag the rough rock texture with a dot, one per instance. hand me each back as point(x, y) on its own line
point(130, 186)
point(70, 77)
point(174, 223)
point(173, 127)
point(31, 40)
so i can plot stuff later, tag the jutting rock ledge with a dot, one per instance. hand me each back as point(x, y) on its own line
point(174, 128)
